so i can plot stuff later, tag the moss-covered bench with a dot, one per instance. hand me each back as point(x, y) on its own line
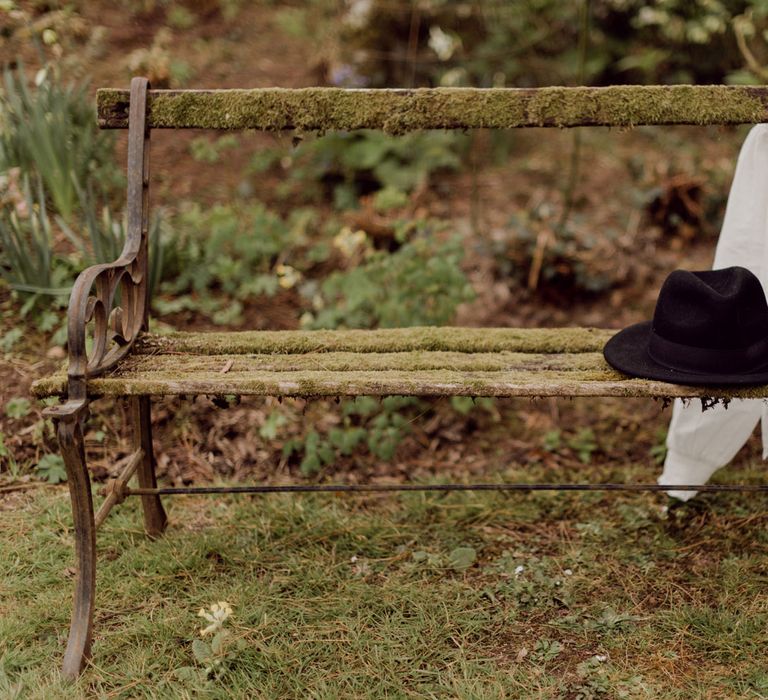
point(122, 360)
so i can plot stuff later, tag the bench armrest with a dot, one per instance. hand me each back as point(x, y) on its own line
point(114, 297)
point(109, 300)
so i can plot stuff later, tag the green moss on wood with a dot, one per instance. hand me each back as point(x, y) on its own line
point(416, 361)
point(390, 340)
point(398, 111)
point(596, 382)
point(183, 364)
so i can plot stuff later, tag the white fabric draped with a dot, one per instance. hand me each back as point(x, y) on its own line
point(701, 442)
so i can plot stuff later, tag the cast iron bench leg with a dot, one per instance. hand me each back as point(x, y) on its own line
point(78, 651)
point(154, 514)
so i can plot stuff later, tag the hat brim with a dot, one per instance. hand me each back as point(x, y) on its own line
point(627, 351)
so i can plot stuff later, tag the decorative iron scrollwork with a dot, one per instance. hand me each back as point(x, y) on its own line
point(112, 298)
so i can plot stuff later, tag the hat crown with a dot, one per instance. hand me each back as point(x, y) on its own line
point(717, 309)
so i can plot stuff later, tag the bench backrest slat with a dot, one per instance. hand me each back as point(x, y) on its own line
point(398, 111)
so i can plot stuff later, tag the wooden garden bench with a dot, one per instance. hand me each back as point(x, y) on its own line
point(126, 361)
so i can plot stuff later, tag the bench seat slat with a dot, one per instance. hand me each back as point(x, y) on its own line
point(476, 362)
point(443, 338)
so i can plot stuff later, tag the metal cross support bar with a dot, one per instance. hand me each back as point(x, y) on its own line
point(116, 491)
point(365, 488)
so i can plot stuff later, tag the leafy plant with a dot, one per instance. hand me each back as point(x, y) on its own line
point(6, 456)
point(537, 583)
point(51, 468)
point(205, 150)
point(9, 339)
point(158, 63)
point(552, 440)
point(50, 130)
point(584, 444)
point(181, 17)
point(547, 650)
point(25, 235)
point(464, 405)
point(106, 234)
point(380, 426)
point(17, 407)
point(571, 261)
point(233, 250)
point(389, 426)
point(421, 283)
point(535, 43)
point(462, 558)
point(346, 165)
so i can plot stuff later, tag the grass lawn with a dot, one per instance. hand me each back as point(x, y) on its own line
point(470, 595)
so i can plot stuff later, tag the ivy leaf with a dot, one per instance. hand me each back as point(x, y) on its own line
point(462, 558)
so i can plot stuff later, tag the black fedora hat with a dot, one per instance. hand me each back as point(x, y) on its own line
point(709, 329)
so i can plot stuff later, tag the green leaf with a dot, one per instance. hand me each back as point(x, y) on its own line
point(310, 464)
point(51, 468)
point(188, 674)
point(3, 447)
point(546, 650)
point(217, 643)
point(462, 404)
point(326, 453)
point(584, 444)
point(389, 198)
point(290, 447)
point(201, 651)
point(47, 321)
point(462, 558)
point(552, 440)
point(17, 407)
point(272, 425)
point(10, 338)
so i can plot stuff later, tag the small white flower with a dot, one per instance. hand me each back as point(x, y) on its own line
point(353, 558)
point(219, 612)
point(287, 276)
point(519, 570)
point(349, 242)
point(49, 37)
point(568, 572)
point(358, 12)
point(600, 657)
point(442, 43)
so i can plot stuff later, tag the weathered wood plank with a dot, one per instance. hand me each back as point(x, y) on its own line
point(413, 361)
point(184, 364)
point(605, 382)
point(399, 111)
point(385, 340)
